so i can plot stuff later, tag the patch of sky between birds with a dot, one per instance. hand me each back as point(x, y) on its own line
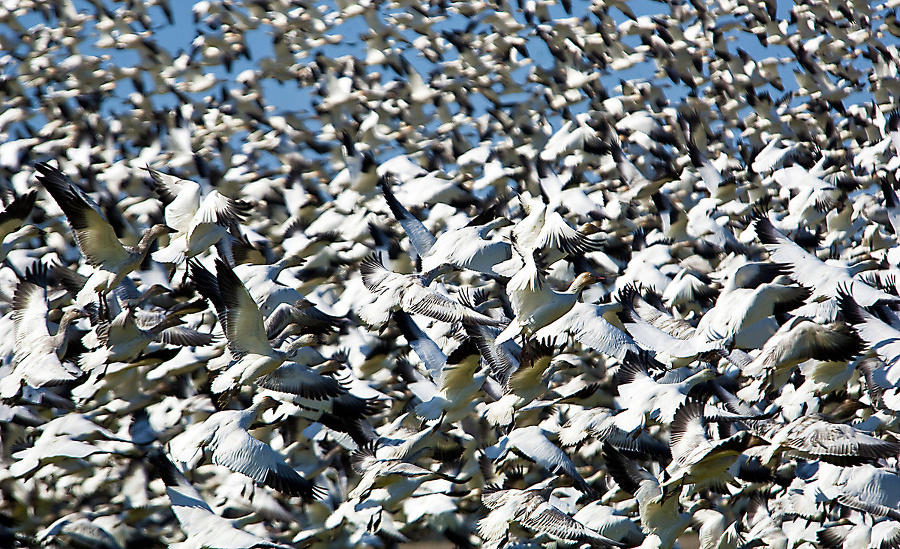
point(348, 37)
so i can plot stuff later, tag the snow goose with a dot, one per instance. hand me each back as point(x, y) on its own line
point(532, 510)
point(37, 354)
point(121, 339)
point(705, 224)
point(69, 438)
point(95, 237)
point(242, 323)
point(302, 315)
point(813, 436)
point(824, 278)
point(533, 443)
point(534, 303)
point(79, 530)
point(303, 392)
point(868, 483)
point(801, 339)
point(262, 283)
point(879, 336)
point(586, 324)
point(738, 316)
point(407, 292)
point(223, 437)
point(199, 221)
point(610, 522)
point(464, 247)
point(891, 204)
point(453, 393)
point(696, 459)
point(600, 423)
point(520, 375)
point(680, 347)
point(545, 230)
point(885, 533)
point(204, 528)
point(12, 219)
point(643, 397)
point(381, 465)
point(657, 508)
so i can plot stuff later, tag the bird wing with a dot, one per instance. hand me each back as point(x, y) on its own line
point(652, 338)
point(585, 323)
point(221, 210)
point(422, 300)
point(13, 216)
point(297, 379)
point(420, 237)
point(196, 517)
point(244, 328)
point(881, 337)
point(95, 236)
point(425, 348)
point(820, 437)
point(557, 233)
point(532, 442)
point(687, 439)
point(30, 308)
point(539, 515)
point(373, 273)
point(806, 268)
point(244, 454)
point(184, 336)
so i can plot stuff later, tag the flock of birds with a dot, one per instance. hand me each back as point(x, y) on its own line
point(470, 296)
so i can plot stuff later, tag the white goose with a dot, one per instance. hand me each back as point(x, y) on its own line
point(670, 339)
point(199, 221)
point(657, 508)
point(879, 336)
point(252, 354)
point(696, 459)
point(586, 324)
point(533, 510)
point(544, 230)
point(824, 278)
point(533, 443)
point(641, 397)
point(37, 354)
point(469, 248)
point(801, 339)
point(204, 528)
point(534, 303)
point(225, 439)
point(95, 236)
point(408, 293)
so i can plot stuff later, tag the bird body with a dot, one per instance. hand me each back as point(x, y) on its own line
point(534, 303)
point(252, 354)
point(199, 222)
point(95, 236)
point(37, 354)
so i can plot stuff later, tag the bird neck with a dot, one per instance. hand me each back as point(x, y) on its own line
point(65, 324)
point(302, 341)
point(579, 284)
point(148, 238)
